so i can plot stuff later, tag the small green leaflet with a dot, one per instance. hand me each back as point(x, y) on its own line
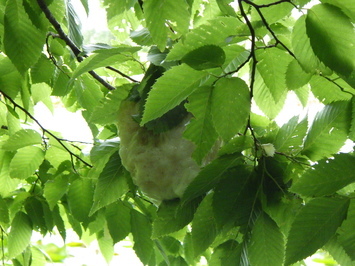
point(332, 37)
point(20, 234)
point(200, 130)
point(313, 226)
point(23, 42)
point(324, 178)
point(170, 90)
point(157, 13)
point(205, 57)
point(230, 107)
point(272, 67)
point(111, 184)
point(22, 138)
point(26, 161)
point(328, 131)
point(267, 245)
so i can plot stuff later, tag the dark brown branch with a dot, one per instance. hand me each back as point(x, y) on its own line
point(69, 42)
point(122, 74)
point(46, 131)
point(336, 84)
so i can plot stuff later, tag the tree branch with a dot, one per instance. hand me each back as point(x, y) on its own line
point(69, 42)
point(46, 131)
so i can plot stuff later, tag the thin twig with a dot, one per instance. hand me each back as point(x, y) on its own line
point(336, 84)
point(46, 130)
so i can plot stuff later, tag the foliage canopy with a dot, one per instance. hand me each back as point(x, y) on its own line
point(272, 196)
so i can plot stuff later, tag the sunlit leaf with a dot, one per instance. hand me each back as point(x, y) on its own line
point(22, 138)
point(55, 189)
point(26, 161)
point(313, 226)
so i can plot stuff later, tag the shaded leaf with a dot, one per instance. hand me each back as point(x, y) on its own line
point(313, 226)
point(266, 243)
point(227, 253)
point(296, 77)
point(326, 177)
point(118, 218)
point(346, 233)
point(205, 57)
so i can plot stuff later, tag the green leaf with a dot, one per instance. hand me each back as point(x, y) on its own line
point(346, 233)
point(347, 6)
point(200, 129)
point(204, 229)
point(41, 92)
point(171, 244)
point(290, 136)
point(230, 100)
point(324, 178)
point(10, 79)
point(104, 58)
point(26, 161)
point(21, 35)
point(118, 218)
point(326, 91)
point(332, 37)
point(20, 234)
point(205, 57)
point(158, 13)
point(142, 231)
point(296, 77)
point(22, 138)
point(106, 111)
point(55, 189)
point(328, 131)
point(8, 184)
point(272, 67)
point(80, 198)
point(234, 197)
point(265, 100)
point(352, 128)
point(313, 226)
point(236, 145)
point(170, 90)
point(209, 176)
point(106, 245)
point(111, 184)
point(227, 253)
point(34, 210)
point(4, 213)
point(338, 253)
point(273, 13)
point(58, 221)
point(215, 31)
point(266, 243)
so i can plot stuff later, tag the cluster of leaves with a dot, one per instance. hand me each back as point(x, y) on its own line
point(219, 56)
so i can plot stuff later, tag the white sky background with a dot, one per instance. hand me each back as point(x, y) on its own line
point(73, 127)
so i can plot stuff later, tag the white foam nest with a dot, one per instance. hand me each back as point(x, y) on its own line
point(160, 164)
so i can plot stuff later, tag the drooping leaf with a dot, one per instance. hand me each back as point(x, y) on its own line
point(205, 57)
point(26, 161)
point(209, 176)
point(230, 107)
point(80, 197)
point(290, 136)
point(272, 67)
point(21, 35)
point(332, 37)
point(106, 244)
point(234, 197)
point(111, 184)
point(142, 231)
point(267, 245)
point(204, 229)
point(328, 131)
point(227, 253)
point(158, 13)
point(22, 138)
point(200, 129)
point(74, 24)
point(324, 178)
point(313, 226)
point(35, 212)
point(20, 234)
point(118, 218)
point(170, 90)
point(216, 31)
